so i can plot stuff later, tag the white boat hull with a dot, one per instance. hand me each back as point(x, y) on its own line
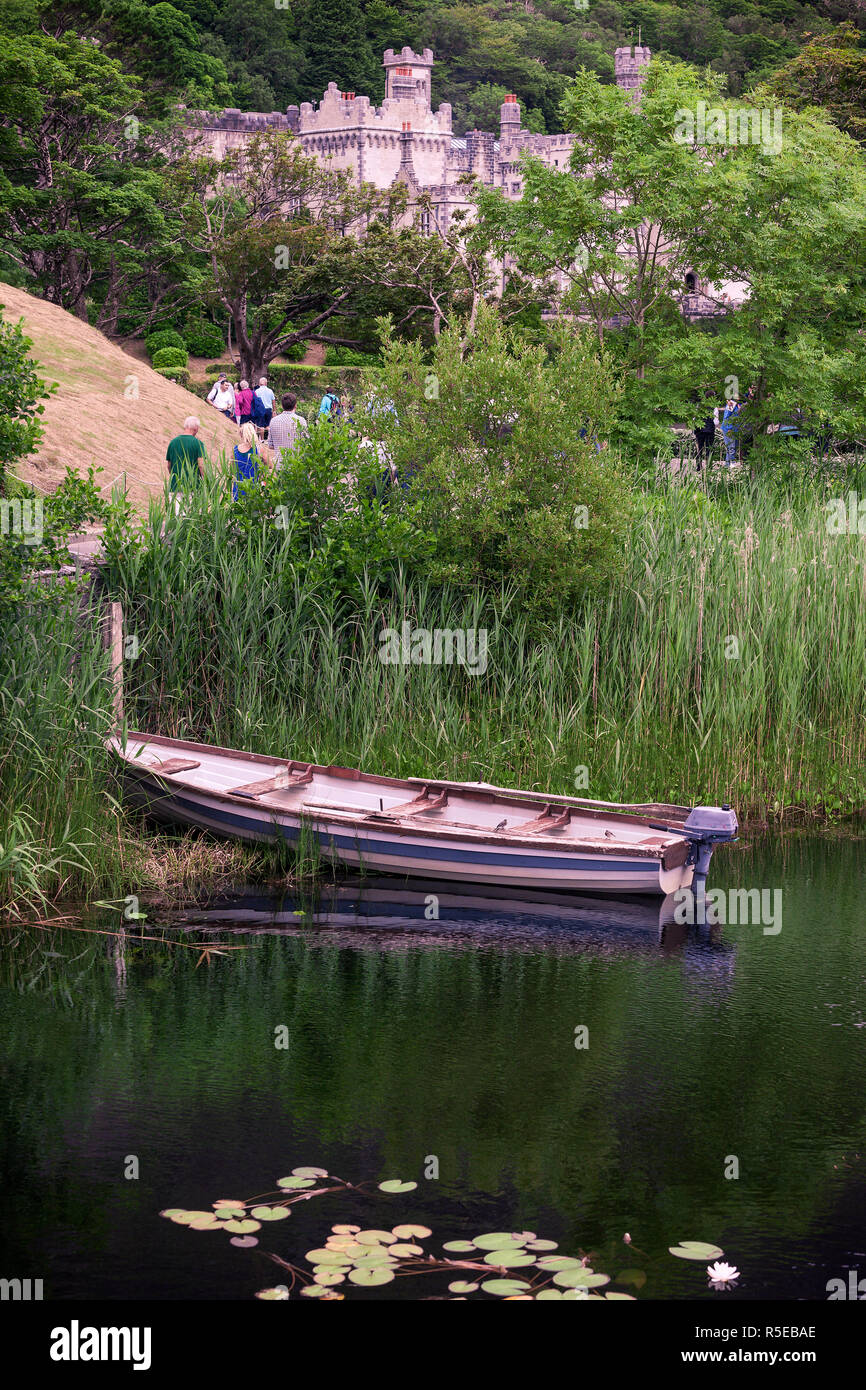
point(629, 859)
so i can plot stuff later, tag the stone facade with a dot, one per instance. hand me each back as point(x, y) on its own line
point(405, 138)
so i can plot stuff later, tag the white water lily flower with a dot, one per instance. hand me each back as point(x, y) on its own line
point(722, 1274)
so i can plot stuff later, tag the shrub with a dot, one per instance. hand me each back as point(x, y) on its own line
point(203, 339)
point(163, 338)
point(178, 374)
point(170, 357)
point(350, 357)
point(502, 451)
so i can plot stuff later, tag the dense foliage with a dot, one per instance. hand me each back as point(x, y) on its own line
point(261, 56)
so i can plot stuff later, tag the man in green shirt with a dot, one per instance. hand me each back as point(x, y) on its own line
point(184, 459)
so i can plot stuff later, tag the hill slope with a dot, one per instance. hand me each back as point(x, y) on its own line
point(89, 420)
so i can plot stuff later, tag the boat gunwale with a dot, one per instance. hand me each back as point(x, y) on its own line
point(669, 856)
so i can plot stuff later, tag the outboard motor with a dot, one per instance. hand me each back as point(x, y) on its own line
point(705, 827)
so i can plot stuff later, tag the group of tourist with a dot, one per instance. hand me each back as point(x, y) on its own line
point(710, 416)
point(263, 437)
point(257, 445)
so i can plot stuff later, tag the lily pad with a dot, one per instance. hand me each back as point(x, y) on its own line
point(503, 1288)
point(367, 1277)
point(560, 1262)
point(695, 1250)
point(171, 1212)
point(327, 1277)
point(403, 1252)
point(205, 1225)
point(270, 1213)
point(186, 1218)
point(498, 1240)
point(376, 1256)
point(246, 1242)
point(580, 1279)
point(235, 1202)
point(396, 1185)
point(312, 1290)
point(293, 1182)
point(242, 1228)
point(309, 1172)
point(629, 1296)
point(461, 1246)
point(328, 1257)
point(543, 1245)
point(230, 1213)
point(462, 1286)
point(275, 1294)
point(412, 1232)
point(345, 1230)
point(509, 1259)
point(375, 1238)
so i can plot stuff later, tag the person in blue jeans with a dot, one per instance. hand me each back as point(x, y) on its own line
point(247, 460)
point(731, 430)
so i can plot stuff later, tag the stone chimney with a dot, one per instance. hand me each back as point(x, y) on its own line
point(627, 65)
point(509, 117)
point(407, 168)
point(479, 150)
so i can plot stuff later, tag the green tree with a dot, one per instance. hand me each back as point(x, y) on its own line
point(829, 72)
point(21, 395)
point(83, 207)
point(272, 224)
point(337, 49)
point(497, 445)
point(650, 195)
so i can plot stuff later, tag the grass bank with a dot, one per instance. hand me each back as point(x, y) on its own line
point(724, 663)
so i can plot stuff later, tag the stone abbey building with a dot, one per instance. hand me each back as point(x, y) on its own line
point(405, 139)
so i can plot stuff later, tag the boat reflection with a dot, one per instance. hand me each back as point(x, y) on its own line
point(384, 913)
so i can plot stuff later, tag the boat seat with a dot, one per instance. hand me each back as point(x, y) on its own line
point(284, 779)
point(416, 807)
point(168, 766)
point(553, 817)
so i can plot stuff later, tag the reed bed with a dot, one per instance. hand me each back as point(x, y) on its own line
point(725, 663)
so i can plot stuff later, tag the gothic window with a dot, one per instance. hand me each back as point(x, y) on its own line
point(691, 282)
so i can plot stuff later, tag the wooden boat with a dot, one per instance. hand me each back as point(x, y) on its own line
point(468, 832)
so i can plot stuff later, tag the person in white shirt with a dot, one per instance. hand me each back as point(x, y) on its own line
point(222, 396)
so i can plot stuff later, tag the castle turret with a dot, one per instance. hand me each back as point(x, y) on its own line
point(628, 65)
point(408, 74)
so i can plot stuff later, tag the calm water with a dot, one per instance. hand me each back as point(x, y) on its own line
point(411, 1038)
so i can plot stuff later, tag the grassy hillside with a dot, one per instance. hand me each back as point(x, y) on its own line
point(110, 409)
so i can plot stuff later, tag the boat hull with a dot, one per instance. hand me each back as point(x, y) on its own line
point(410, 852)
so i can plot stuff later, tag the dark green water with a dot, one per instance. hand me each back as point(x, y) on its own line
point(455, 1039)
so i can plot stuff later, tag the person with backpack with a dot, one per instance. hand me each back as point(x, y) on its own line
point(263, 405)
point(331, 407)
